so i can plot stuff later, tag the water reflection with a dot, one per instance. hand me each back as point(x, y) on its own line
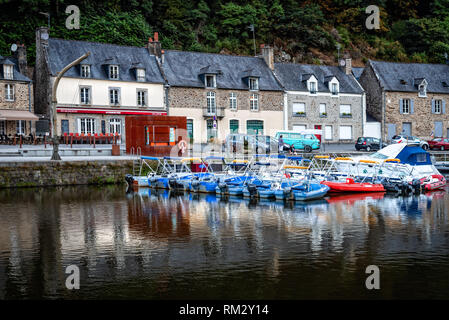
point(157, 245)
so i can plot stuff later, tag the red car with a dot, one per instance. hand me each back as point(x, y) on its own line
point(439, 144)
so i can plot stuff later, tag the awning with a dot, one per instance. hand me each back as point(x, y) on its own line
point(17, 115)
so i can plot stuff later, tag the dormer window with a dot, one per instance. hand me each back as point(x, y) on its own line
point(85, 71)
point(210, 81)
point(253, 84)
point(312, 87)
point(113, 72)
point(334, 89)
point(8, 71)
point(422, 90)
point(140, 74)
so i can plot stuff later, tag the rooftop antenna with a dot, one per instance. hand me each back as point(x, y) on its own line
point(48, 17)
point(251, 27)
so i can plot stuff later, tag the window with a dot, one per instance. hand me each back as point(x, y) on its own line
point(9, 92)
point(190, 129)
point(299, 109)
point(142, 98)
point(312, 87)
point(20, 126)
point(406, 106)
point(233, 101)
point(421, 157)
point(253, 84)
point(65, 126)
point(211, 107)
point(210, 81)
point(140, 74)
point(87, 125)
point(345, 132)
point(334, 89)
point(115, 126)
point(114, 96)
point(147, 135)
point(2, 127)
point(328, 132)
point(85, 95)
point(422, 90)
point(8, 71)
point(299, 127)
point(85, 71)
point(113, 72)
point(437, 106)
point(211, 129)
point(254, 127)
point(323, 110)
point(345, 110)
point(234, 126)
point(254, 102)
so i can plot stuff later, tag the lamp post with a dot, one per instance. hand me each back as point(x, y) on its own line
point(54, 102)
point(48, 17)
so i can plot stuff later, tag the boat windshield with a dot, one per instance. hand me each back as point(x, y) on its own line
point(379, 155)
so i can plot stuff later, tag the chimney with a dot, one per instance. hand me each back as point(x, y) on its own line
point(348, 66)
point(21, 56)
point(162, 56)
point(268, 55)
point(154, 46)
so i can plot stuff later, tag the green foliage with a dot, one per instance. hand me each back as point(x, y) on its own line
point(410, 30)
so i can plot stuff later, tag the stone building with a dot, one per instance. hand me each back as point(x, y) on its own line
point(221, 94)
point(408, 98)
point(16, 95)
point(326, 98)
point(95, 96)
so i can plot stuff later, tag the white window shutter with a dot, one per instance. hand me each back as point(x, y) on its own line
point(401, 106)
point(411, 106)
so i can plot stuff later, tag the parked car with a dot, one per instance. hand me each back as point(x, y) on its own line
point(439, 144)
point(299, 141)
point(410, 140)
point(369, 143)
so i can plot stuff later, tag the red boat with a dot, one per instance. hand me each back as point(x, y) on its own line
point(433, 182)
point(351, 186)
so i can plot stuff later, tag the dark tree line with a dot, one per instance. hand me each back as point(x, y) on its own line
point(305, 31)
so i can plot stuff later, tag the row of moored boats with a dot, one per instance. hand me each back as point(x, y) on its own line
point(400, 169)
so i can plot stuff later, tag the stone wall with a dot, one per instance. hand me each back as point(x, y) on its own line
point(373, 90)
point(21, 96)
point(48, 173)
point(180, 97)
point(422, 120)
point(332, 118)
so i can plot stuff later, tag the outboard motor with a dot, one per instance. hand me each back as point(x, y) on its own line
point(252, 190)
point(223, 187)
point(288, 193)
point(195, 184)
point(416, 184)
point(130, 181)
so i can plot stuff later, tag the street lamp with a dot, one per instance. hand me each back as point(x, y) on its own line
point(54, 102)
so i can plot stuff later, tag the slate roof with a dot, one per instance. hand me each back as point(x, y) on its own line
point(183, 69)
point(357, 72)
point(404, 77)
point(293, 77)
point(62, 52)
point(17, 75)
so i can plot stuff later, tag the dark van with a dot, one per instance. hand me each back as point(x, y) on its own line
point(368, 144)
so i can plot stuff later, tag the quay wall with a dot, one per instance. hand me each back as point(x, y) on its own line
point(50, 173)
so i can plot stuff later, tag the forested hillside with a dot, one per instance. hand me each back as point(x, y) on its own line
point(302, 31)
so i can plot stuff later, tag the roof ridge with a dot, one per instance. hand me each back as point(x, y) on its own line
point(213, 53)
point(97, 42)
point(415, 63)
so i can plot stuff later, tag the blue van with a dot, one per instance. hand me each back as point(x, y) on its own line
point(300, 141)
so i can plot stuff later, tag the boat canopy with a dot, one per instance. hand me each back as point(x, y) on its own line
point(408, 154)
point(414, 155)
point(149, 158)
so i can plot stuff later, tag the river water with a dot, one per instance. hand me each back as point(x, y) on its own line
point(153, 245)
